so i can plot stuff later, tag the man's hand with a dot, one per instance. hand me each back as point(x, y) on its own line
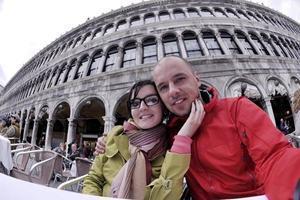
point(100, 145)
point(194, 120)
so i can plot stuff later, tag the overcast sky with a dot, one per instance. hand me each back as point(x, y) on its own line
point(27, 26)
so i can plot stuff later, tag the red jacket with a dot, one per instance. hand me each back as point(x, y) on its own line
point(237, 152)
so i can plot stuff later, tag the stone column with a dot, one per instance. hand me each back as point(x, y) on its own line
point(21, 123)
point(202, 45)
point(49, 132)
point(276, 47)
point(270, 109)
point(253, 45)
point(239, 44)
point(34, 131)
point(222, 45)
point(86, 70)
point(75, 70)
point(119, 58)
point(139, 53)
point(109, 122)
point(26, 128)
point(182, 47)
point(71, 130)
point(265, 45)
point(160, 51)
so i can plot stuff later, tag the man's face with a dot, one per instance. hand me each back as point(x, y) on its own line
point(177, 85)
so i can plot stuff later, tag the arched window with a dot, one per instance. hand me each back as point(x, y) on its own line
point(149, 18)
point(296, 48)
point(170, 45)
point(95, 64)
point(245, 43)
point(179, 14)
point(129, 56)
point(291, 55)
point(277, 43)
point(110, 59)
point(192, 45)
point(122, 25)
point(251, 15)
point(61, 74)
point(164, 15)
point(268, 43)
point(149, 50)
point(292, 47)
point(261, 18)
point(259, 44)
point(77, 42)
point(81, 67)
point(109, 29)
point(86, 38)
point(230, 43)
point(63, 48)
point(70, 71)
point(205, 12)
point(97, 33)
point(242, 15)
point(51, 82)
point(193, 12)
point(135, 21)
point(219, 12)
point(69, 45)
point(231, 14)
point(211, 43)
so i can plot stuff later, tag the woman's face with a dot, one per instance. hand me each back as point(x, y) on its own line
point(146, 116)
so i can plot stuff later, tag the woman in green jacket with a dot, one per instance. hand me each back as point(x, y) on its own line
point(136, 164)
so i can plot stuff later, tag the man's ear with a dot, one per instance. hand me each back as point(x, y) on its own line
point(196, 74)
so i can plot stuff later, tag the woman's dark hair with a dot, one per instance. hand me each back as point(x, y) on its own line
point(135, 90)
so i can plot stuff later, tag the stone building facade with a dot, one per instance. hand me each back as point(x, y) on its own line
point(75, 88)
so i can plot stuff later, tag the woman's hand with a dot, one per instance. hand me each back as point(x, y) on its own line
point(194, 120)
point(100, 145)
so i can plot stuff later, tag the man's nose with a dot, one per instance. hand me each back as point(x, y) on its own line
point(173, 90)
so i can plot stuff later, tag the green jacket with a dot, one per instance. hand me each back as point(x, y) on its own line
point(167, 172)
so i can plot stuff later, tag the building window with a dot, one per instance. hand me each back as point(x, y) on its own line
point(251, 15)
point(277, 43)
point(149, 51)
point(211, 43)
point(170, 45)
point(242, 15)
point(51, 82)
point(63, 48)
point(230, 43)
point(70, 71)
point(129, 57)
point(69, 45)
point(164, 15)
point(292, 48)
point(109, 29)
point(291, 55)
point(269, 44)
point(219, 12)
point(110, 59)
point(149, 18)
point(231, 14)
point(81, 67)
point(245, 43)
point(259, 44)
point(97, 33)
point(135, 21)
point(86, 38)
point(179, 14)
point(77, 42)
point(95, 64)
point(205, 12)
point(192, 45)
point(121, 25)
point(193, 12)
point(260, 18)
point(60, 76)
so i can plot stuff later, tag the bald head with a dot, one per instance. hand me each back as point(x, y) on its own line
point(171, 59)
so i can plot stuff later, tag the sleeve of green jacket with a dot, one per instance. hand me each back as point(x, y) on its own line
point(169, 185)
point(94, 182)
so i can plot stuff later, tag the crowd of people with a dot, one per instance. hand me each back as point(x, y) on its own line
point(9, 126)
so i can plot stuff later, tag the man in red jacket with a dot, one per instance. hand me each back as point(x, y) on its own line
point(237, 151)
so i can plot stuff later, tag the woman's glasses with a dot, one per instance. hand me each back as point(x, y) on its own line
point(149, 100)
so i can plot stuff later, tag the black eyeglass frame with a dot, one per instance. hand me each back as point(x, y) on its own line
point(131, 101)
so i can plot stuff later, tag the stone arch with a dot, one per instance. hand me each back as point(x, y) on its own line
point(281, 103)
point(120, 110)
